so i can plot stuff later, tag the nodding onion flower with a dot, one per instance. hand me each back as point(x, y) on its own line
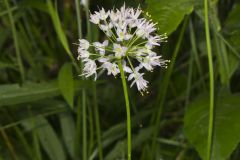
point(131, 40)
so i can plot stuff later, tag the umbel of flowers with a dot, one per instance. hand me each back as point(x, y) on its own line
point(131, 39)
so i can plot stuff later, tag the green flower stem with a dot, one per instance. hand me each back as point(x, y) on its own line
point(124, 83)
point(211, 76)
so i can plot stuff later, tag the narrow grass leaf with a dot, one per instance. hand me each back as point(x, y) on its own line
point(57, 25)
point(60, 33)
point(68, 132)
point(49, 140)
point(14, 94)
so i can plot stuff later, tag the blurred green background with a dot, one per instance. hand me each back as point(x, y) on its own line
point(47, 112)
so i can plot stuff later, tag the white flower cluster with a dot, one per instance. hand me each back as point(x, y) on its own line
point(131, 39)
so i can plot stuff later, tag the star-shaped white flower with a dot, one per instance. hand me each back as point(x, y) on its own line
point(83, 44)
point(141, 83)
point(90, 68)
point(112, 68)
point(100, 47)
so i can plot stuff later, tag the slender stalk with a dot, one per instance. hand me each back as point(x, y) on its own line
point(19, 58)
point(89, 32)
point(211, 77)
point(124, 83)
point(79, 21)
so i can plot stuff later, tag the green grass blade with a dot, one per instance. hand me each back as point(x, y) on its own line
point(9, 145)
point(36, 144)
point(49, 140)
point(16, 43)
point(195, 52)
point(79, 20)
point(189, 79)
point(61, 35)
point(68, 131)
point(14, 94)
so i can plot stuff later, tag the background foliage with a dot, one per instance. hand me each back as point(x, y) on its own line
point(48, 112)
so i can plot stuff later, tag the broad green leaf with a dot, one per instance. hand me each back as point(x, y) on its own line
point(232, 27)
point(226, 127)
point(66, 83)
point(14, 94)
point(169, 14)
point(49, 140)
point(232, 21)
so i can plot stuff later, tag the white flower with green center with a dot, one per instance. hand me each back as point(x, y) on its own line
point(119, 50)
point(123, 35)
point(131, 39)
